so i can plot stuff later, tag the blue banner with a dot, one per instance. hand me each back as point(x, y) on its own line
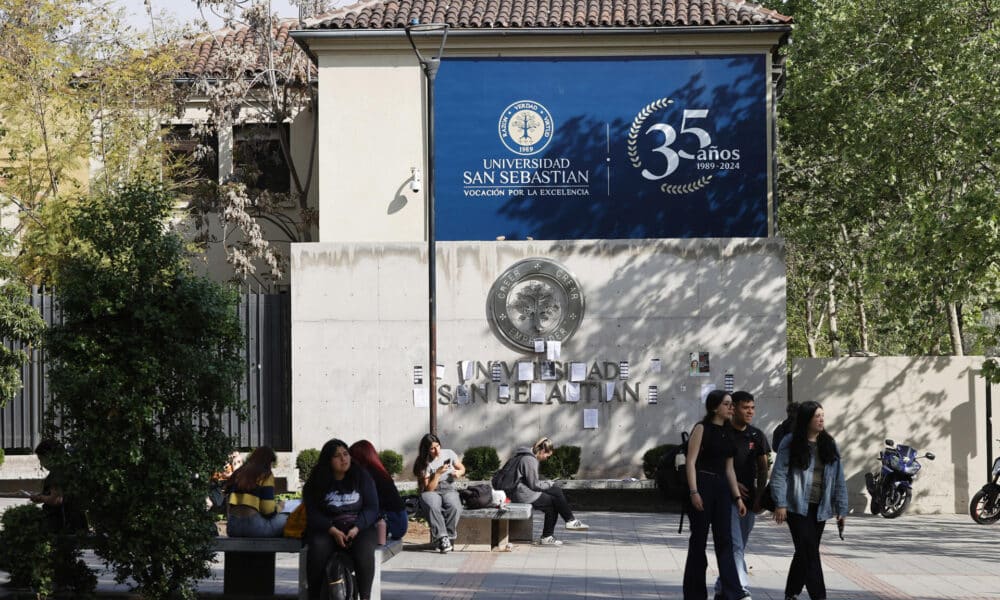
point(595, 148)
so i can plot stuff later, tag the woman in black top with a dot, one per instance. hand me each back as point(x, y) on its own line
point(714, 492)
point(390, 503)
point(341, 510)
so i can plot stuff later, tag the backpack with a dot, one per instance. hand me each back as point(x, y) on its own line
point(476, 496)
point(340, 582)
point(506, 478)
point(671, 476)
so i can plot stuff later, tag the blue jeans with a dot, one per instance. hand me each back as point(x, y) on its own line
point(256, 525)
point(743, 526)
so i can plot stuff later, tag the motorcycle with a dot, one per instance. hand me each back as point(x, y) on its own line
point(891, 487)
point(985, 506)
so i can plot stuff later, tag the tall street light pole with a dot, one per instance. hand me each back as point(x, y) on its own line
point(430, 66)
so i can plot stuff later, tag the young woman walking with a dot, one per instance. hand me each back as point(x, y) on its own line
point(808, 487)
point(714, 490)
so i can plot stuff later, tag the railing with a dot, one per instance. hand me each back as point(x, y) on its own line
point(265, 389)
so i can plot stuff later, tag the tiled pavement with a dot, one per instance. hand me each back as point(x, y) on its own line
point(641, 556)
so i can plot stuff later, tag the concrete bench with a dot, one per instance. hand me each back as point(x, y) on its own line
point(485, 529)
point(249, 568)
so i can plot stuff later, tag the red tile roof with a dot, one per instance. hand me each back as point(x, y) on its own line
point(211, 52)
point(533, 14)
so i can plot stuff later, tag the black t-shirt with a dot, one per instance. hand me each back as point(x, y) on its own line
point(751, 443)
point(717, 444)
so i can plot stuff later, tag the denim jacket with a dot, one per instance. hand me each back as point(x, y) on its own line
point(790, 486)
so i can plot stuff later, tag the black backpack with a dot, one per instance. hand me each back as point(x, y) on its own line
point(476, 496)
point(340, 582)
point(506, 478)
point(671, 476)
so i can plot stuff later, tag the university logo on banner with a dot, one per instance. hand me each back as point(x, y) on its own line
point(646, 147)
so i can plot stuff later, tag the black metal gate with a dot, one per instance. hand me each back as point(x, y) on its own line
point(265, 390)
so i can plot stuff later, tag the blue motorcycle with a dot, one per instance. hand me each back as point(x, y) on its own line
point(891, 488)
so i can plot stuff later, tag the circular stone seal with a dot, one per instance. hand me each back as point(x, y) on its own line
point(535, 299)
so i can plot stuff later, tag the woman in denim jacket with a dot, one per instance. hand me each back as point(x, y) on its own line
point(808, 488)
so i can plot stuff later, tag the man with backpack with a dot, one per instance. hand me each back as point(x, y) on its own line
point(751, 466)
point(518, 478)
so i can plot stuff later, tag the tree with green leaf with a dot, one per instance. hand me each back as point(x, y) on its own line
point(890, 172)
point(143, 366)
point(82, 97)
point(20, 323)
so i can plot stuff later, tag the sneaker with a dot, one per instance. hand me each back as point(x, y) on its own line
point(577, 525)
point(444, 546)
point(549, 541)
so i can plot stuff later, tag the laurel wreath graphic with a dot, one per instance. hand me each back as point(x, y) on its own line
point(633, 132)
point(687, 188)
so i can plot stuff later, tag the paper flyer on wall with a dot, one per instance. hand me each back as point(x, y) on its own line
point(421, 398)
point(577, 371)
point(572, 391)
point(537, 392)
point(590, 418)
point(525, 371)
point(467, 369)
point(553, 349)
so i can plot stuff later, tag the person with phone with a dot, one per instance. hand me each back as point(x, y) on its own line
point(436, 469)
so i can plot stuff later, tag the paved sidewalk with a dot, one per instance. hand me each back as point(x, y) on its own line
point(641, 556)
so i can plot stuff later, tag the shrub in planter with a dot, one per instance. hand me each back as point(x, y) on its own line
point(1, 457)
point(392, 461)
point(651, 459)
point(481, 462)
point(305, 462)
point(563, 464)
point(35, 558)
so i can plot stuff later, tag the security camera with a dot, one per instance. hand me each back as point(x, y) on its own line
point(415, 179)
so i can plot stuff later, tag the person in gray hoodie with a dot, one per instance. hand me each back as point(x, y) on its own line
point(541, 494)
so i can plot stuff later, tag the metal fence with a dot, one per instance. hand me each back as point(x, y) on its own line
point(265, 390)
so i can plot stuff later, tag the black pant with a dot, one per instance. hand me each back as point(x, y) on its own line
point(552, 503)
point(806, 569)
point(718, 502)
point(362, 552)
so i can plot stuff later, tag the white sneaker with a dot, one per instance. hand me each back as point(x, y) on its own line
point(444, 546)
point(577, 525)
point(549, 541)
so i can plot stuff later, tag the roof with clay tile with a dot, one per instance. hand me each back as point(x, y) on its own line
point(211, 52)
point(548, 14)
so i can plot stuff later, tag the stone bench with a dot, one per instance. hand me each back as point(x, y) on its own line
point(249, 564)
point(485, 529)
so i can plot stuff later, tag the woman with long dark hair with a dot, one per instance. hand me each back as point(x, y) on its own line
point(436, 469)
point(341, 510)
point(714, 490)
point(251, 505)
point(808, 487)
point(390, 503)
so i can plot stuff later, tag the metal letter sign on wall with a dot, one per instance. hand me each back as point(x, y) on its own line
point(602, 148)
point(534, 299)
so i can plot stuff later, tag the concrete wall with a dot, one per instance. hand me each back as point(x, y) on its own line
point(931, 403)
point(359, 325)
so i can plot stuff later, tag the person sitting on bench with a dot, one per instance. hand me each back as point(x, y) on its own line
point(252, 509)
point(341, 511)
point(541, 495)
point(437, 469)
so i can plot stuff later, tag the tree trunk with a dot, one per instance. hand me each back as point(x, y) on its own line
point(831, 306)
point(813, 327)
point(955, 329)
point(859, 302)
